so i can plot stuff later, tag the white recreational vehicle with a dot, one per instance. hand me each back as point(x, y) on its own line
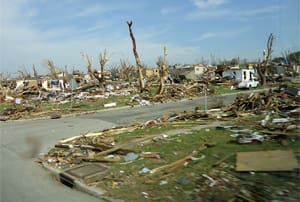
point(244, 77)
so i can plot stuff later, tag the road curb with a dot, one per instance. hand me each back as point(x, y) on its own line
point(80, 186)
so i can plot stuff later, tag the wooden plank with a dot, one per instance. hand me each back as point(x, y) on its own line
point(276, 160)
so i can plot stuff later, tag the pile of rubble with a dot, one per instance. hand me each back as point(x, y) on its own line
point(278, 101)
point(179, 91)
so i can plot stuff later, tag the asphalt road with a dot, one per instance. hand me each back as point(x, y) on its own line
point(22, 179)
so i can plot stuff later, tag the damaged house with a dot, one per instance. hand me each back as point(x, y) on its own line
point(27, 83)
point(180, 73)
point(151, 72)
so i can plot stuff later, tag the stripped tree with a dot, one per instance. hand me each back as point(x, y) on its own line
point(137, 59)
point(102, 60)
point(260, 72)
point(267, 56)
point(162, 73)
point(263, 68)
point(115, 71)
point(127, 71)
point(36, 77)
point(93, 73)
point(52, 69)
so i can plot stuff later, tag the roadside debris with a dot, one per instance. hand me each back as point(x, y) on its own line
point(131, 157)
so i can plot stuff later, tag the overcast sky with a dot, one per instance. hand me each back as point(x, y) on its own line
point(33, 31)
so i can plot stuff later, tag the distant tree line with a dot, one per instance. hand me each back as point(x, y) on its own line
point(288, 58)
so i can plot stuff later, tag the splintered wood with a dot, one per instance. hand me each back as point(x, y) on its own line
point(176, 92)
point(262, 101)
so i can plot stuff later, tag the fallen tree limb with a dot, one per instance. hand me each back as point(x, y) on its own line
point(166, 169)
point(126, 145)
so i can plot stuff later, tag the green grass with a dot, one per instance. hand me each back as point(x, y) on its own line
point(142, 132)
point(77, 106)
point(220, 89)
point(5, 106)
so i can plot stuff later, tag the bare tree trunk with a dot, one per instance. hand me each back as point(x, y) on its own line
point(163, 73)
point(34, 72)
point(123, 72)
point(93, 74)
point(89, 66)
point(52, 69)
point(36, 77)
point(102, 60)
point(267, 58)
point(263, 68)
point(127, 71)
point(261, 75)
point(137, 59)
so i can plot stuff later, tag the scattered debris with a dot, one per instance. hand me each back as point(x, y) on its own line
point(112, 104)
point(55, 116)
point(163, 182)
point(146, 195)
point(150, 123)
point(150, 155)
point(144, 171)
point(212, 181)
point(253, 138)
point(131, 157)
point(184, 181)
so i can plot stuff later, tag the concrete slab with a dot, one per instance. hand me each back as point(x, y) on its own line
point(86, 171)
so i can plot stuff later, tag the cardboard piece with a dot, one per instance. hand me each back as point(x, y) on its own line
point(276, 160)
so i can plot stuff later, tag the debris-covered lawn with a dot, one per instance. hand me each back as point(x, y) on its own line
point(36, 103)
point(200, 166)
point(196, 156)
